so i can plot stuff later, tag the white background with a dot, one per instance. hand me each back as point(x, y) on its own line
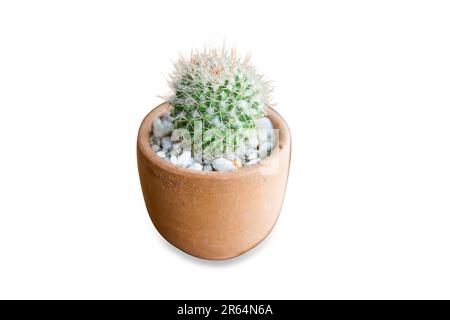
point(364, 86)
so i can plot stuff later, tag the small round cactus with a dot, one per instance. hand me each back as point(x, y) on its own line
point(216, 99)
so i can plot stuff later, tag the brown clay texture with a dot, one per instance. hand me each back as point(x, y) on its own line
point(213, 215)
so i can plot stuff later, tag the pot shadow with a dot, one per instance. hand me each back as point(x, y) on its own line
point(199, 261)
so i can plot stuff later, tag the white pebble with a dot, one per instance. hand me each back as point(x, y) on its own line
point(253, 154)
point(173, 159)
point(240, 151)
point(166, 117)
point(224, 165)
point(265, 128)
point(167, 126)
point(198, 156)
point(166, 143)
point(265, 149)
point(264, 123)
point(161, 128)
point(161, 154)
point(157, 128)
point(155, 147)
point(252, 162)
point(176, 149)
point(196, 166)
point(156, 141)
point(253, 141)
point(185, 159)
point(207, 167)
point(175, 135)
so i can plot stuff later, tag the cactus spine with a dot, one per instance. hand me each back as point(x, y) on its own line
point(220, 93)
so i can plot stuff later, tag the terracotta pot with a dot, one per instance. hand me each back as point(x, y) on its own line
point(213, 215)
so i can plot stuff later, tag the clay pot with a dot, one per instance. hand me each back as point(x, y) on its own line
point(213, 215)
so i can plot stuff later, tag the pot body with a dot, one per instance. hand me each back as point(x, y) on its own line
point(213, 215)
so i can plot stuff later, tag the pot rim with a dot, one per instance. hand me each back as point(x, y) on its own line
point(284, 140)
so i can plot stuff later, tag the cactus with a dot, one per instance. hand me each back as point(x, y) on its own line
point(216, 98)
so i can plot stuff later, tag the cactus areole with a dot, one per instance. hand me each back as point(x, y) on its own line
point(216, 99)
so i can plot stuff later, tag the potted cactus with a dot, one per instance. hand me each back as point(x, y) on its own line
point(214, 158)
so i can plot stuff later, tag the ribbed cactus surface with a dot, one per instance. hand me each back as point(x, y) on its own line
point(216, 98)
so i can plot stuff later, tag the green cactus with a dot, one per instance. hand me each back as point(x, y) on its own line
point(219, 93)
